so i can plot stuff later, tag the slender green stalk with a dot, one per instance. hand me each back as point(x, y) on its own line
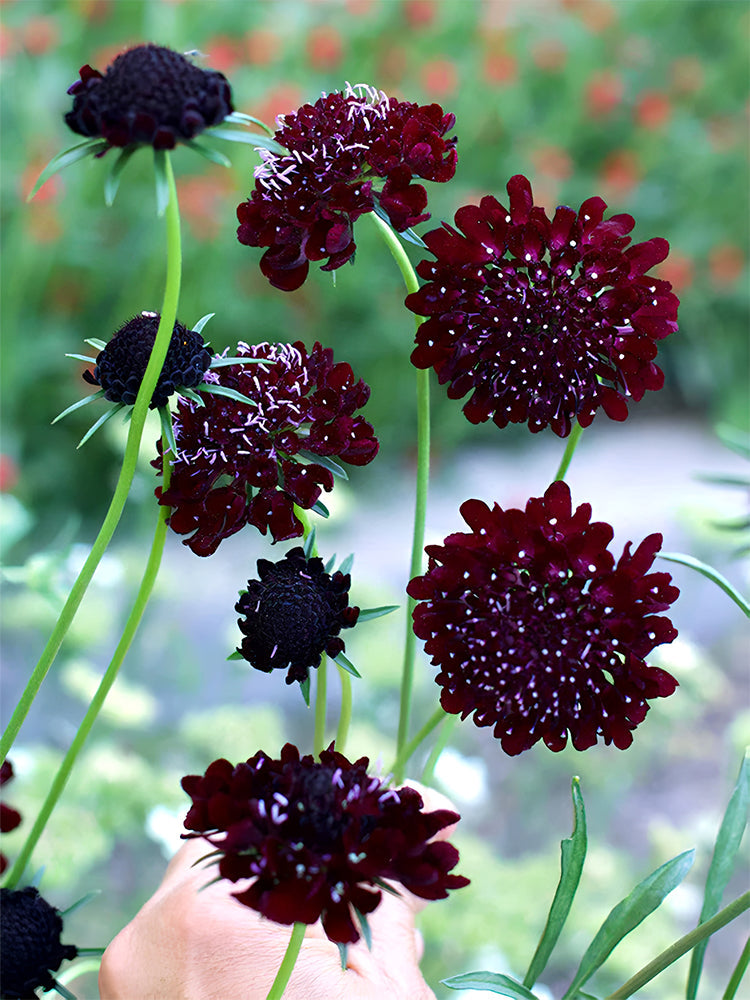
point(287, 964)
point(127, 472)
point(399, 765)
point(738, 972)
point(345, 715)
point(131, 626)
point(321, 699)
point(428, 772)
point(573, 438)
point(681, 947)
point(420, 507)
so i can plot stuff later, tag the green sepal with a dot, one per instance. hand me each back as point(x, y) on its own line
point(408, 235)
point(236, 655)
point(628, 913)
point(250, 139)
point(326, 462)
point(191, 394)
point(79, 404)
point(211, 882)
point(364, 927)
point(98, 344)
point(572, 857)
point(240, 118)
point(63, 991)
point(162, 184)
point(309, 546)
point(223, 390)
point(304, 687)
point(90, 951)
point(710, 573)
point(722, 865)
point(102, 420)
point(346, 664)
point(167, 429)
point(493, 982)
point(198, 328)
point(342, 953)
point(36, 878)
point(70, 155)
point(210, 154)
point(80, 902)
point(320, 508)
point(205, 857)
point(82, 357)
point(330, 564)
point(367, 614)
point(223, 362)
point(112, 182)
point(382, 884)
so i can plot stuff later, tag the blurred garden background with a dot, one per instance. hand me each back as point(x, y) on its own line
point(643, 103)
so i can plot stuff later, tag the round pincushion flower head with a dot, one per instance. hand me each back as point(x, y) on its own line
point(273, 440)
point(318, 837)
point(30, 930)
point(537, 631)
point(542, 320)
point(348, 154)
point(293, 614)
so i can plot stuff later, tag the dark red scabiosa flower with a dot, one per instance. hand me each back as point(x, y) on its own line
point(537, 631)
point(305, 202)
point(239, 464)
point(9, 817)
point(318, 838)
point(30, 929)
point(542, 320)
point(293, 614)
point(148, 95)
point(120, 367)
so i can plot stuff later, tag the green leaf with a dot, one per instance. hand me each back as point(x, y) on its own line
point(112, 183)
point(162, 184)
point(572, 857)
point(711, 574)
point(223, 390)
point(346, 664)
point(409, 236)
point(493, 982)
point(64, 991)
point(70, 155)
point(82, 357)
point(304, 687)
point(210, 154)
point(330, 564)
point(342, 953)
point(737, 973)
point(725, 480)
point(326, 462)
point(346, 565)
point(102, 420)
point(367, 614)
point(236, 655)
point(79, 404)
point(98, 344)
point(320, 508)
point(198, 328)
point(166, 428)
point(309, 546)
point(628, 913)
point(80, 902)
point(735, 439)
point(191, 394)
point(364, 927)
point(222, 362)
point(722, 865)
point(251, 139)
point(239, 118)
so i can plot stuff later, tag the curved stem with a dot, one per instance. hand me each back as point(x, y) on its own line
point(131, 626)
point(345, 715)
point(127, 471)
point(573, 438)
point(681, 947)
point(398, 767)
point(420, 506)
point(428, 773)
point(287, 963)
point(738, 973)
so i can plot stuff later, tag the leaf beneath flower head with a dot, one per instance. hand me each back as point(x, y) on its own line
point(309, 547)
point(236, 655)
point(346, 565)
point(167, 430)
point(102, 420)
point(162, 183)
point(198, 328)
point(98, 344)
point(223, 390)
point(70, 155)
point(367, 614)
point(249, 139)
point(346, 664)
point(112, 182)
point(223, 362)
point(710, 573)
point(210, 154)
point(304, 687)
point(79, 404)
point(240, 118)
point(320, 508)
point(493, 982)
point(82, 357)
point(326, 462)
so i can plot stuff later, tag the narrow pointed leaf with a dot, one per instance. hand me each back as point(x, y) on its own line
point(112, 183)
point(304, 687)
point(367, 614)
point(198, 328)
point(330, 564)
point(342, 953)
point(346, 664)
point(223, 390)
point(722, 865)
point(346, 565)
point(642, 901)
point(191, 394)
point(710, 573)
point(493, 982)
point(70, 155)
point(222, 362)
point(210, 154)
point(572, 857)
point(82, 357)
point(63, 991)
point(162, 184)
point(737, 973)
point(309, 546)
point(326, 462)
point(98, 344)
point(409, 236)
point(250, 138)
point(236, 655)
point(80, 902)
point(240, 118)
point(320, 508)
point(364, 927)
point(102, 420)
point(735, 439)
point(76, 406)
point(166, 428)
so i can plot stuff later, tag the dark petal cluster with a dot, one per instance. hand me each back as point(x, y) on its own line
point(318, 838)
point(239, 464)
point(30, 930)
point(120, 367)
point(537, 631)
point(9, 817)
point(293, 614)
point(148, 95)
point(305, 202)
point(542, 320)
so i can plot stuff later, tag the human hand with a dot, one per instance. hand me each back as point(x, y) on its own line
point(190, 943)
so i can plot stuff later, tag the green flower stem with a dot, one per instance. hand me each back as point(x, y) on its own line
point(739, 971)
point(131, 626)
point(399, 765)
point(681, 947)
point(420, 508)
point(345, 715)
point(127, 472)
point(290, 957)
point(573, 438)
point(428, 774)
point(321, 698)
